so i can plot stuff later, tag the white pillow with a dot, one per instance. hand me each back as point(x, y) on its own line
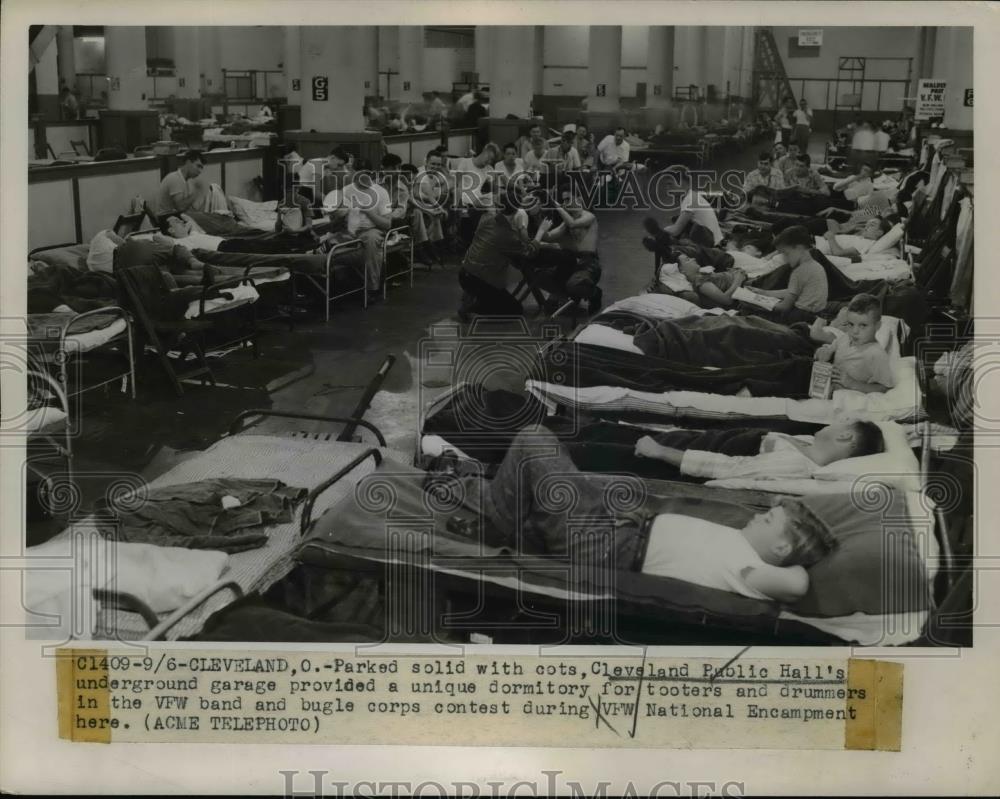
point(604, 336)
point(889, 240)
point(101, 256)
point(896, 466)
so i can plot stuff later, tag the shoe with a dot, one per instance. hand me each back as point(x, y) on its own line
point(649, 243)
point(652, 226)
point(374, 297)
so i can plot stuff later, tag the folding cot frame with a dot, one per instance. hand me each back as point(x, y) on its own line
point(160, 627)
point(62, 448)
point(462, 571)
point(65, 349)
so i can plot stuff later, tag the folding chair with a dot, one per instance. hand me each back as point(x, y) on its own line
point(159, 310)
point(79, 144)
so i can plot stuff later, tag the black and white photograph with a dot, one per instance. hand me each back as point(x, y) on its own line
point(498, 335)
point(519, 334)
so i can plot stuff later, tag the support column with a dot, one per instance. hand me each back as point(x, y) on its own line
point(411, 63)
point(701, 60)
point(514, 73)
point(660, 66)
point(332, 89)
point(211, 60)
point(746, 63)
point(292, 64)
point(953, 63)
point(66, 56)
point(369, 42)
point(538, 84)
point(187, 61)
point(485, 48)
point(125, 56)
point(604, 68)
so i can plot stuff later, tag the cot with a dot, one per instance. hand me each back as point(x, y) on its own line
point(394, 528)
point(71, 344)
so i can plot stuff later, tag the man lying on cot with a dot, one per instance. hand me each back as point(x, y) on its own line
point(766, 559)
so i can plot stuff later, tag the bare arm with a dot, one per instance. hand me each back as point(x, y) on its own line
point(786, 584)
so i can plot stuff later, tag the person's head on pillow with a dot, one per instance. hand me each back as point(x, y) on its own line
point(175, 226)
point(794, 243)
point(875, 228)
point(789, 534)
point(837, 442)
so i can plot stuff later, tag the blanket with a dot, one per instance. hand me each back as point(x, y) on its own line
point(723, 341)
point(53, 285)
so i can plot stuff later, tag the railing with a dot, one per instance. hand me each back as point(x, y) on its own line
point(832, 91)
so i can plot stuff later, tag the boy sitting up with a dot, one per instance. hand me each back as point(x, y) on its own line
point(859, 361)
point(808, 288)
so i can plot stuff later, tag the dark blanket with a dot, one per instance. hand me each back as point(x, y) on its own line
point(584, 365)
point(52, 285)
point(723, 341)
point(302, 263)
point(50, 325)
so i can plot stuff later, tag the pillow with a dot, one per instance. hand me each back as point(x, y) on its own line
point(101, 256)
point(889, 240)
point(877, 568)
point(896, 466)
point(604, 336)
point(74, 256)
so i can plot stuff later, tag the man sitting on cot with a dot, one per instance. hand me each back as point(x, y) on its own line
point(766, 559)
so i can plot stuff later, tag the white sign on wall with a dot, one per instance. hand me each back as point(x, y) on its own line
point(930, 99)
point(810, 37)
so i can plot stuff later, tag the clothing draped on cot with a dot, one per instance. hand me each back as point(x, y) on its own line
point(50, 325)
point(221, 224)
point(582, 365)
point(224, 514)
point(961, 284)
point(722, 341)
point(51, 285)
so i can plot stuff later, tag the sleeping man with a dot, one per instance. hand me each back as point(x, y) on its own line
point(765, 559)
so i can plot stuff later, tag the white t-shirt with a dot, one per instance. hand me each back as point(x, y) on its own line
point(882, 141)
point(611, 153)
point(356, 199)
point(200, 241)
point(469, 179)
point(802, 117)
point(702, 213)
point(701, 552)
point(863, 140)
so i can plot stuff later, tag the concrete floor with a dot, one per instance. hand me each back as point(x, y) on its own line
point(335, 360)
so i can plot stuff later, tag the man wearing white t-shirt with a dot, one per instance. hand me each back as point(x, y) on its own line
point(613, 151)
point(369, 218)
point(696, 220)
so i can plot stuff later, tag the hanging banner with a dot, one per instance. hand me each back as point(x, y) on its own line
point(810, 37)
point(930, 99)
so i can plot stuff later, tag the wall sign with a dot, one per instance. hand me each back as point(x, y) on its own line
point(967, 102)
point(320, 88)
point(810, 37)
point(368, 84)
point(180, 82)
point(657, 89)
point(116, 84)
point(296, 85)
point(602, 90)
point(406, 85)
point(930, 99)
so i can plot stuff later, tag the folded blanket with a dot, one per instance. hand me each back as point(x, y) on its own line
point(51, 325)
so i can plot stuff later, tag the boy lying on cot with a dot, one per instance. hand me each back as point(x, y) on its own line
point(778, 456)
point(766, 559)
point(859, 361)
point(837, 241)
